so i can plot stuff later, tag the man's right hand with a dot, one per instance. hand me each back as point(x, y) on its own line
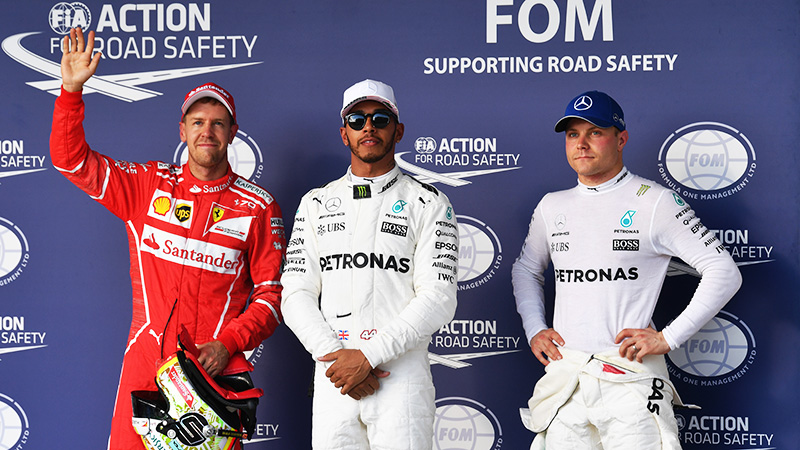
point(77, 62)
point(369, 385)
point(543, 345)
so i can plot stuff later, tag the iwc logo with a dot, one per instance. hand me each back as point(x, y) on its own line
point(14, 252)
point(14, 427)
point(480, 253)
point(464, 424)
point(706, 161)
point(720, 353)
point(244, 155)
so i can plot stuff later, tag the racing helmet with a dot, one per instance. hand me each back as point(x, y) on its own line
point(192, 410)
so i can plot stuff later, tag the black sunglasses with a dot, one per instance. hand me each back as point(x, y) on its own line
point(379, 119)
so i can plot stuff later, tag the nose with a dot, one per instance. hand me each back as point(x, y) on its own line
point(368, 125)
point(581, 142)
point(205, 130)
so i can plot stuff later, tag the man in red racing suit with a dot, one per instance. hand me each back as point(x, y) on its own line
point(197, 248)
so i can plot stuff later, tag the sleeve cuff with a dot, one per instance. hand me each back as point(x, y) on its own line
point(229, 342)
point(70, 98)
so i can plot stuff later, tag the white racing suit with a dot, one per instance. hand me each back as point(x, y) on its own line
point(569, 408)
point(610, 247)
point(373, 267)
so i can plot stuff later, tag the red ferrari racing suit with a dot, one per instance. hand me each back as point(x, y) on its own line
point(197, 251)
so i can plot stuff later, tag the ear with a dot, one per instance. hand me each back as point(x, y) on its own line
point(234, 129)
point(182, 128)
point(623, 139)
point(398, 134)
point(345, 140)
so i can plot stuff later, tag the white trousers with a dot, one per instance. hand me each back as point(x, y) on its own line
point(602, 414)
point(603, 401)
point(398, 416)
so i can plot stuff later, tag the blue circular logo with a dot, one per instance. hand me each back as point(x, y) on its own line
point(464, 424)
point(479, 254)
point(723, 347)
point(14, 427)
point(14, 253)
point(707, 157)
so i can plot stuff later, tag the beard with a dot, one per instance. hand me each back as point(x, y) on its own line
point(376, 154)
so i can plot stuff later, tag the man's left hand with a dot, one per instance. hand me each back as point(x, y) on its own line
point(213, 357)
point(638, 342)
point(349, 369)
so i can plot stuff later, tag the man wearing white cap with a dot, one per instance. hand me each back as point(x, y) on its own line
point(371, 274)
point(610, 239)
point(201, 238)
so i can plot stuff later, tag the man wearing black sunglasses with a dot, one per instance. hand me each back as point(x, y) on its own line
point(370, 276)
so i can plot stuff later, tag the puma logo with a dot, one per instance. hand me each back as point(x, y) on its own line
point(157, 336)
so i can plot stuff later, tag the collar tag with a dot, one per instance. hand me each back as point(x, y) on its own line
point(361, 191)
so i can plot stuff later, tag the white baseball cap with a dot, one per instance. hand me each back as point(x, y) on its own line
point(369, 90)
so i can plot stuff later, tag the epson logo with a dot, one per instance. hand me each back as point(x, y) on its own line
point(576, 16)
point(394, 228)
point(625, 245)
point(447, 246)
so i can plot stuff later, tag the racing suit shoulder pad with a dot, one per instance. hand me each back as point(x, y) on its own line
point(424, 185)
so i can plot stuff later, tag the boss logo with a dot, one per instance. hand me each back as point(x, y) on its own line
point(394, 228)
point(625, 245)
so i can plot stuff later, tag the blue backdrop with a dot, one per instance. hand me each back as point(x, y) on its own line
point(710, 91)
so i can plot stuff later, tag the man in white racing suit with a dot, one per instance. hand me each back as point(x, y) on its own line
point(610, 240)
point(370, 276)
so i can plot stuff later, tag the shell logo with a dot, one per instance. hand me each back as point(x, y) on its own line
point(161, 205)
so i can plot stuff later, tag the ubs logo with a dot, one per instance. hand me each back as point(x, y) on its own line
point(331, 227)
point(244, 156)
point(14, 252)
